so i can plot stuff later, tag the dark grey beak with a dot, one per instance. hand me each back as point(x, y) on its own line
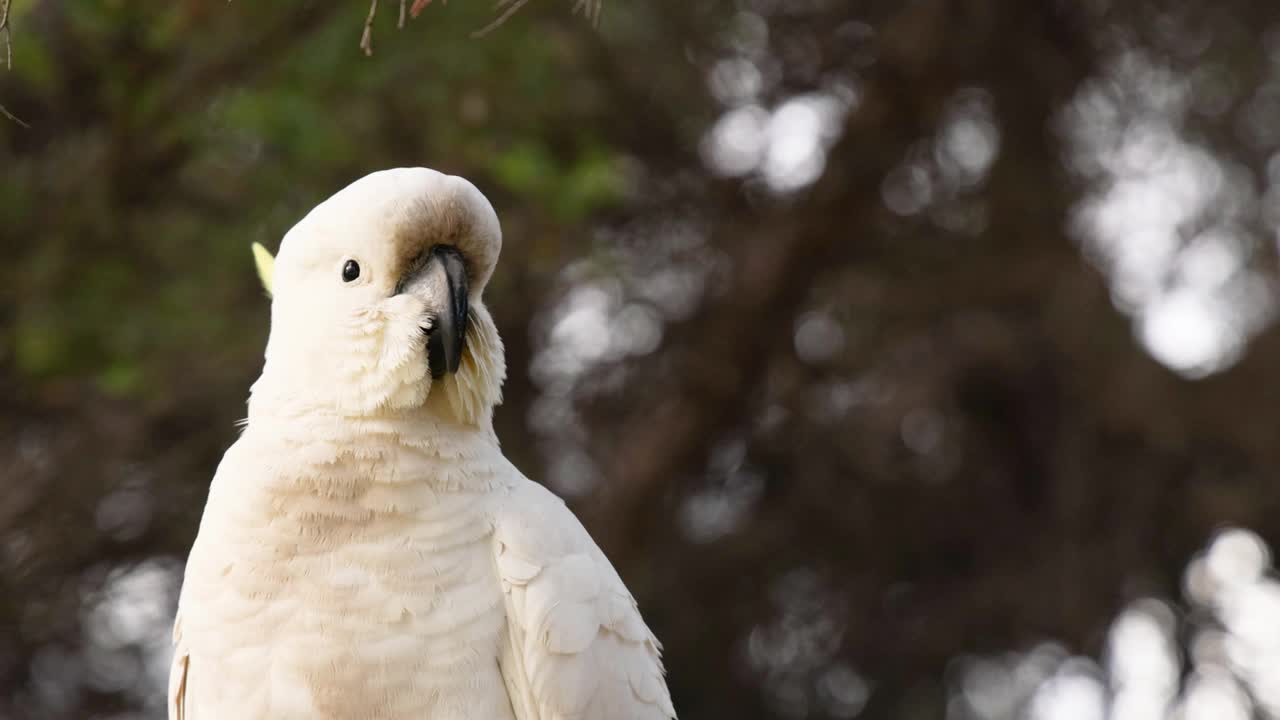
point(440, 276)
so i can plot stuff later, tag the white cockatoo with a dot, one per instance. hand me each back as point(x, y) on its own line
point(367, 552)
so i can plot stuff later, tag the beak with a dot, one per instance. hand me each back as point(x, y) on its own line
point(439, 276)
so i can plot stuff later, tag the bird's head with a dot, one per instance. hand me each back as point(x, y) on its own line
point(376, 301)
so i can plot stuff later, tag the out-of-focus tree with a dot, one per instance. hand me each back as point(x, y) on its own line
point(906, 357)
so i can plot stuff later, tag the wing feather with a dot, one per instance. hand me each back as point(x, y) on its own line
point(577, 646)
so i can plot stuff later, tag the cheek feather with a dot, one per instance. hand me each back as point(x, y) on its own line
point(382, 361)
point(471, 393)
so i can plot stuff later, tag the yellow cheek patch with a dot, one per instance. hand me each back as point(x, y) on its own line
point(265, 263)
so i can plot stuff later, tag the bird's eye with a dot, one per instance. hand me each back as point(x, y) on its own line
point(350, 271)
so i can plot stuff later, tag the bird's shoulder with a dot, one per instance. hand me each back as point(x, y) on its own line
point(535, 521)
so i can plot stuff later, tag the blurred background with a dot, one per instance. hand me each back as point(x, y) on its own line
point(911, 360)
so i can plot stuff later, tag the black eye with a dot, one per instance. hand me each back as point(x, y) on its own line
point(350, 271)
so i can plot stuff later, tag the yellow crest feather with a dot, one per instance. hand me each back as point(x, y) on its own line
point(265, 263)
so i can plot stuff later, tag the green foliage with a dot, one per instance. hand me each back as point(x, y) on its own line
point(166, 141)
point(572, 190)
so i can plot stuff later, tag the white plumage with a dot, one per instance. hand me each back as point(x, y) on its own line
point(366, 551)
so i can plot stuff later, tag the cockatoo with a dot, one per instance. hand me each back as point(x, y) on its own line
point(366, 550)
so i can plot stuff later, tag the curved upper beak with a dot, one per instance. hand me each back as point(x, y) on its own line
point(439, 277)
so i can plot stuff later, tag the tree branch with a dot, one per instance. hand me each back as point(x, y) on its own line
point(5, 112)
point(8, 55)
point(8, 34)
point(366, 37)
point(514, 7)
